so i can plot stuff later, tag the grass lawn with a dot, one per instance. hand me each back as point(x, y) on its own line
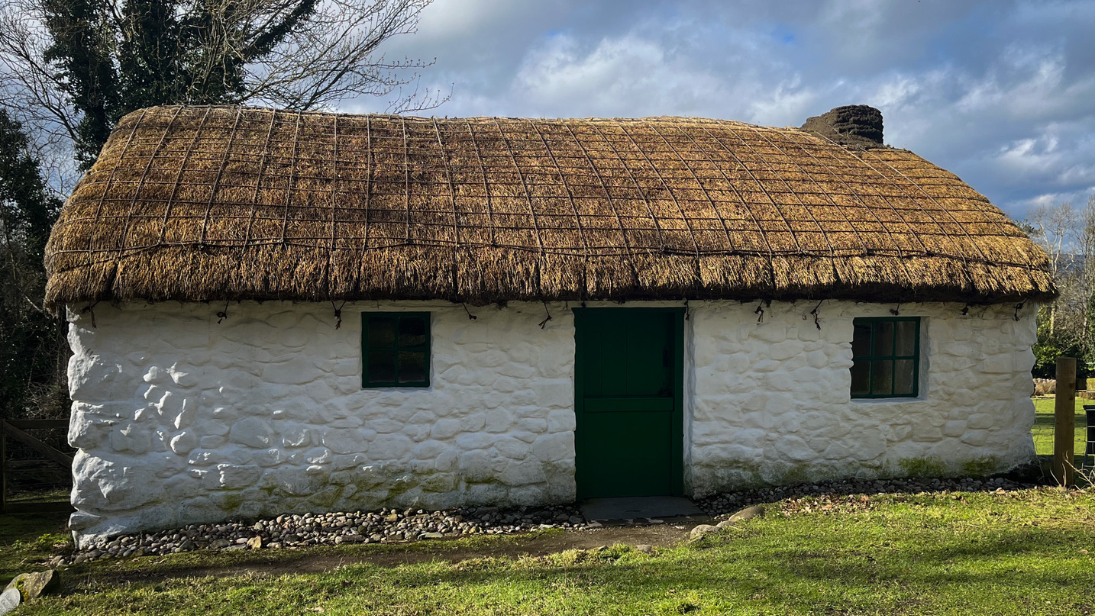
point(1043, 427)
point(1023, 553)
point(29, 538)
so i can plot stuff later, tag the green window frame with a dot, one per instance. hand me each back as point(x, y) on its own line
point(395, 349)
point(885, 357)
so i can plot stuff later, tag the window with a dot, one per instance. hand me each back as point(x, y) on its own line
point(395, 349)
point(886, 357)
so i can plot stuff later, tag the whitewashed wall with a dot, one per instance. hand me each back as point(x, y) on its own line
point(771, 403)
point(182, 419)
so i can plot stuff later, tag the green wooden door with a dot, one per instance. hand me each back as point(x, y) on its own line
point(628, 387)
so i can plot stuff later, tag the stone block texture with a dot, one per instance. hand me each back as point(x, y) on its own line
point(770, 403)
point(180, 419)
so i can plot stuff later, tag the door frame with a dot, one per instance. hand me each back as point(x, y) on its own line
point(676, 454)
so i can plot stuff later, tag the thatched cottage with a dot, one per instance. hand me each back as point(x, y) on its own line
point(275, 312)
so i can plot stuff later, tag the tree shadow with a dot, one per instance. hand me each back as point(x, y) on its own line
point(794, 576)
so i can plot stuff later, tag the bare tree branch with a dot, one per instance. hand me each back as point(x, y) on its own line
point(294, 54)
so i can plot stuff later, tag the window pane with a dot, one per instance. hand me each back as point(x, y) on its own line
point(412, 366)
point(882, 378)
point(906, 338)
point(903, 377)
point(861, 339)
point(381, 366)
point(883, 338)
point(381, 332)
point(861, 378)
point(412, 331)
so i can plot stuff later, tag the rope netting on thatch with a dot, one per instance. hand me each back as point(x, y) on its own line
point(203, 203)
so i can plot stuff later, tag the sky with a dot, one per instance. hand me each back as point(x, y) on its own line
point(1000, 92)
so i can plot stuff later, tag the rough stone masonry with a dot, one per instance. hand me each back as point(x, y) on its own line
point(181, 419)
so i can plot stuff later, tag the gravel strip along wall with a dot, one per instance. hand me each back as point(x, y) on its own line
point(307, 530)
point(183, 420)
point(392, 526)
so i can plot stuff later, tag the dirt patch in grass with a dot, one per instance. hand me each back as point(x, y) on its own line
point(323, 559)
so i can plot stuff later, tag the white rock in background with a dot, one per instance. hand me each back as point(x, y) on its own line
point(9, 600)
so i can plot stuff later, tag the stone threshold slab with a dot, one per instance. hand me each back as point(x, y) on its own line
point(638, 507)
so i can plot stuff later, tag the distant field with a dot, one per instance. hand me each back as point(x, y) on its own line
point(1043, 426)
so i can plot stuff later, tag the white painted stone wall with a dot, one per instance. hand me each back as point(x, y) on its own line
point(771, 403)
point(181, 419)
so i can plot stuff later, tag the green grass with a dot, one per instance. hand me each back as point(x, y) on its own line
point(1024, 553)
point(28, 539)
point(1043, 427)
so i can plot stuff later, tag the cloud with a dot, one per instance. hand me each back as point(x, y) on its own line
point(628, 76)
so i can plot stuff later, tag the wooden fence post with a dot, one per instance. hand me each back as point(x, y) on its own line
point(1064, 425)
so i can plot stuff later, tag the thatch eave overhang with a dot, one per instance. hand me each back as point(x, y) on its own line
point(227, 203)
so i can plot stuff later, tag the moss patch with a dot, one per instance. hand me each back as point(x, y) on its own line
point(923, 467)
point(981, 466)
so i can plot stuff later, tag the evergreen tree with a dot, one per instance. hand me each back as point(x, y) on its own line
point(31, 343)
point(81, 53)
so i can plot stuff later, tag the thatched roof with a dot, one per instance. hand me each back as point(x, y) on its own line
point(217, 203)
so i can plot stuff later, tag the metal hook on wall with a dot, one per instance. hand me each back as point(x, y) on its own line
point(90, 309)
point(815, 313)
point(544, 322)
point(338, 313)
point(223, 314)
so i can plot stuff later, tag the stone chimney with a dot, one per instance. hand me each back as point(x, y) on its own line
point(855, 125)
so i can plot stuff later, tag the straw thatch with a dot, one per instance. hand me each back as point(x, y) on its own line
point(219, 203)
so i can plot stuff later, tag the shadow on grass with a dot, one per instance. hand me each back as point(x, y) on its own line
point(828, 564)
point(1003, 563)
point(20, 547)
point(318, 559)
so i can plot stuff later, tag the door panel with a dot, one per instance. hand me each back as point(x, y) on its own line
point(631, 456)
point(629, 376)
